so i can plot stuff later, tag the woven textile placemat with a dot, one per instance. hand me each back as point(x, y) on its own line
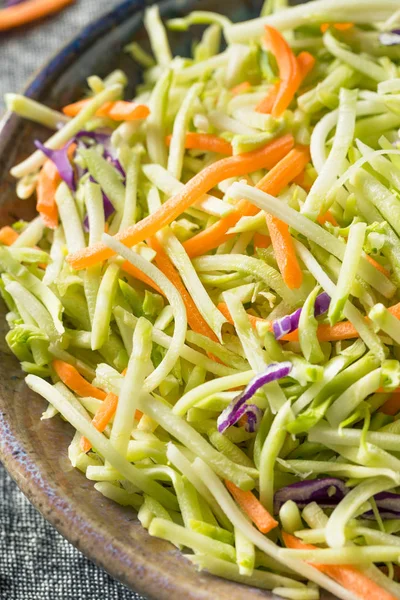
point(36, 563)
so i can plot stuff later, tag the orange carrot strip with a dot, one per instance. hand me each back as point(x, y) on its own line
point(339, 26)
point(200, 184)
point(348, 576)
point(101, 419)
point(21, 14)
point(206, 142)
point(71, 110)
point(306, 63)
point(74, 380)
point(267, 104)
point(223, 308)
point(273, 183)
point(128, 111)
point(253, 508)
point(261, 241)
point(194, 317)
point(392, 405)
point(328, 216)
point(377, 265)
point(241, 88)
point(117, 111)
point(138, 274)
point(284, 252)
point(8, 235)
point(289, 71)
point(48, 181)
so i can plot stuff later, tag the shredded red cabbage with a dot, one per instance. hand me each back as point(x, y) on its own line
point(237, 407)
point(327, 493)
point(388, 505)
point(390, 38)
point(100, 137)
point(13, 2)
point(61, 160)
point(290, 323)
point(254, 416)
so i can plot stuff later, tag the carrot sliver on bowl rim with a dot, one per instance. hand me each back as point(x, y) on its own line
point(204, 149)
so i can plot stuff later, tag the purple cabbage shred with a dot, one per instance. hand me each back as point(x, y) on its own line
point(390, 38)
point(290, 323)
point(388, 504)
point(238, 407)
point(326, 492)
point(61, 160)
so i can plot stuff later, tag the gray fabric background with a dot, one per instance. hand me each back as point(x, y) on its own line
point(36, 563)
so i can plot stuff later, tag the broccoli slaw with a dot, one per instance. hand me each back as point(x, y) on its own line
point(209, 293)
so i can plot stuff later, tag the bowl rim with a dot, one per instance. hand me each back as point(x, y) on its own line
point(14, 455)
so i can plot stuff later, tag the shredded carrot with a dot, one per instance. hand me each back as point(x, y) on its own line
point(377, 265)
point(306, 63)
point(339, 26)
point(348, 576)
point(261, 241)
point(241, 88)
point(273, 183)
point(138, 274)
point(29, 11)
point(8, 235)
point(267, 104)
point(223, 308)
point(200, 184)
point(117, 111)
point(290, 72)
point(392, 405)
point(328, 216)
point(102, 418)
point(253, 508)
point(48, 181)
point(128, 111)
point(195, 319)
point(74, 380)
point(284, 252)
point(206, 142)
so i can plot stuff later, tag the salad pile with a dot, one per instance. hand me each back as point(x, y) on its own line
point(209, 294)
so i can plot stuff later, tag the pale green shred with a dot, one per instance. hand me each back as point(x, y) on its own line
point(188, 439)
point(348, 271)
point(106, 176)
point(315, 203)
point(181, 124)
point(359, 63)
point(104, 303)
point(32, 110)
point(158, 36)
point(130, 389)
